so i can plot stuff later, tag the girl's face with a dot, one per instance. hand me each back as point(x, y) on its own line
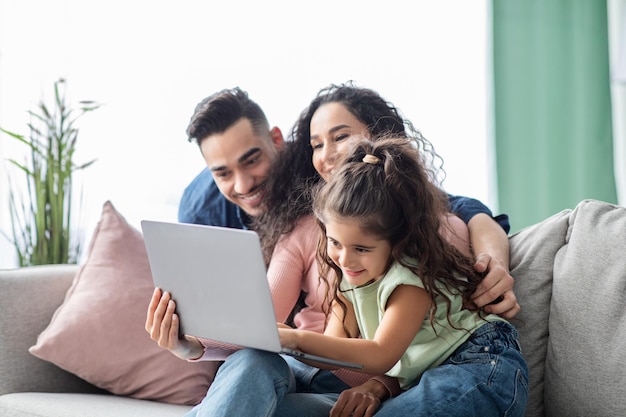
point(362, 257)
point(332, 126)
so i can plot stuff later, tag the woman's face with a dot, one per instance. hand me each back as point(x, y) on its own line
point(332, 127)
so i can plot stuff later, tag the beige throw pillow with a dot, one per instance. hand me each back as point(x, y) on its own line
point(98, 332)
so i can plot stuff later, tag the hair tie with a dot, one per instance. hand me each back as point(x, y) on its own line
point(371, 159)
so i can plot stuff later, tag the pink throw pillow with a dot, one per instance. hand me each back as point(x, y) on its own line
point(98, 332)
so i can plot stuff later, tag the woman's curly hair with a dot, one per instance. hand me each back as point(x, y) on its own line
point(292, 175)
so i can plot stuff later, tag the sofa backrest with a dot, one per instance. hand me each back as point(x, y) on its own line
point(570, 280)
point(29, 297)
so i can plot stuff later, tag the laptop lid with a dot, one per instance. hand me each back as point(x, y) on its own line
point(218, 279)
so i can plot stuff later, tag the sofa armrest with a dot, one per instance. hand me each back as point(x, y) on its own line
point(533, 250)
point(29, 297)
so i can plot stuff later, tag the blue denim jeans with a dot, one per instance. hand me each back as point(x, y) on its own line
point(486, 376)
point(257, 383)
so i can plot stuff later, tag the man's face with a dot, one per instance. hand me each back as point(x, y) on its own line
point(239, 161)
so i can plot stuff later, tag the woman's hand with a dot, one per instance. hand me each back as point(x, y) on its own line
point(162, 325)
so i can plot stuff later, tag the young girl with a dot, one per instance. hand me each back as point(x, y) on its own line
point(380, 216)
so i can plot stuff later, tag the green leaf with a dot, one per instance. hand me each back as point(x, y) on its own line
point(41, 220)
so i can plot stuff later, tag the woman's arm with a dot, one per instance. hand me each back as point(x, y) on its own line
point(292, 270)
point(286, 274)
point(392, 338)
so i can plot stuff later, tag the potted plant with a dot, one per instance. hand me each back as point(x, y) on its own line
point(41, 215)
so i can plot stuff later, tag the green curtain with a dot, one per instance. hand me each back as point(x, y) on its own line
point(553, 135)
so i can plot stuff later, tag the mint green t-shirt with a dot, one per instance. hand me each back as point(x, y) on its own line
point(428, 349)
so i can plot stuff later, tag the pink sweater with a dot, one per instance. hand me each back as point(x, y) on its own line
point(293, 267)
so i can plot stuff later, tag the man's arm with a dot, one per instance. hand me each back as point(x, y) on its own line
point(490, 245)
point(466, 208)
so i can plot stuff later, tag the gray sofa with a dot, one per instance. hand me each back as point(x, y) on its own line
point(570, 275)
point(31, 387)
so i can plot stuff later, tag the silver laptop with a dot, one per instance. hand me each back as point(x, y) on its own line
point(218, 279)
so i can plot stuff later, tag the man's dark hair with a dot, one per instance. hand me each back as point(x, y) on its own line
point(219, 111)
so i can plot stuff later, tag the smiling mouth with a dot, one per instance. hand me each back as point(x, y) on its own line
point(254, 198)
point(353, 273)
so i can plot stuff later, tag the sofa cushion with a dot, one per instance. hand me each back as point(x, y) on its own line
point(532, 263)
point(84, 405)
point(585, 366)
point(98, 332)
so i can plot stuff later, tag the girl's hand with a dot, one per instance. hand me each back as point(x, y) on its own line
point(163, 327)
point(288, 336)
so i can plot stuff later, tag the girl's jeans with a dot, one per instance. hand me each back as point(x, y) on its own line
point(486, 376)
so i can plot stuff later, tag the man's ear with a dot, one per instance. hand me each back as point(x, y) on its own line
point(277, 137)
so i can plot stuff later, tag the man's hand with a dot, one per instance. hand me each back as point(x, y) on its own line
point(495, 293)
point(163, 326)
point(361, 401)
point(490, 245)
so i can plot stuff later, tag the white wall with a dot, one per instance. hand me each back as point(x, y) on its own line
point(617, 49)
point(150, 62)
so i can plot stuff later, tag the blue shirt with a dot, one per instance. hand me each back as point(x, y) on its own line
point(203, 203)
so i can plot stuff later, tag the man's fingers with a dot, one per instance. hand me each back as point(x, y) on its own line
point(495, 293)
point(507, 308)
point(499, 286)
point(496, 282)
point(482, 262)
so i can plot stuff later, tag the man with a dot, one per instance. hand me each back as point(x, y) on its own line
point(229, 190)
point(238, 146)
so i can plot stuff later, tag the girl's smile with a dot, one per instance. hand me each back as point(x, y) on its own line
point(362, 257)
